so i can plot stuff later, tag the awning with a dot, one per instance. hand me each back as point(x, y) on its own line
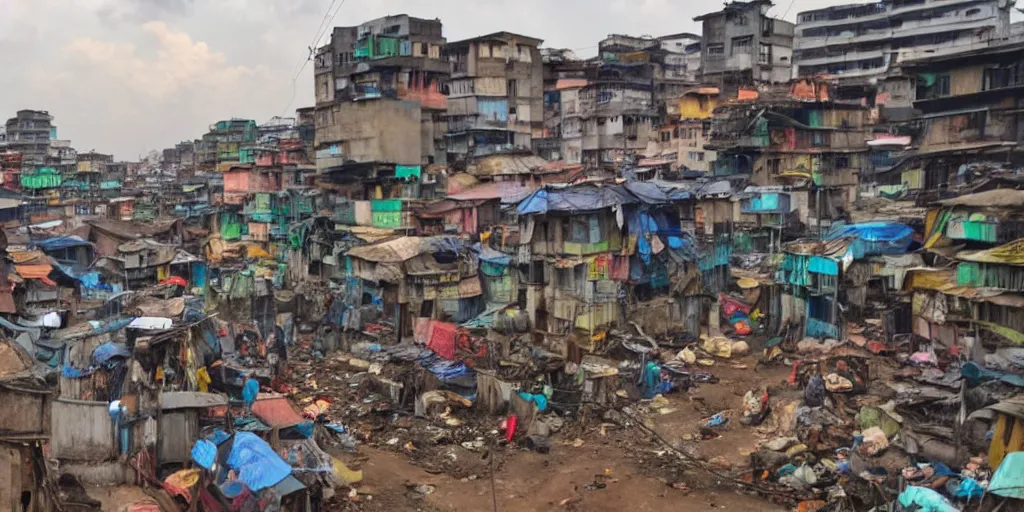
point(40, 272)
point(957, 112)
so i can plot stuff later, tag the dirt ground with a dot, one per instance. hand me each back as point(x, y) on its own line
point(586, 470)
point(687, 412)
point(534, 482)
point(636, 473)
point(116, 499)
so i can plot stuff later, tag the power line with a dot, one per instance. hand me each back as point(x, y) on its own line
point(318, 34)
point(787, 9)
point(321, 31)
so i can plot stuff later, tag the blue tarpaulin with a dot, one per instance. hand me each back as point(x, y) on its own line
point(1008, 480)
point(493, 257)
point(107, 351)
point(578, 198)
point(876, 237)
point(257, 464)
point(204, 453)
point(61, 242)
point(658, 191)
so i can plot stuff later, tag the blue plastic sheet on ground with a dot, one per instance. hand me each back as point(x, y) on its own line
point(927, 499)
point(652, 384)
point(257, 464)
point(204, 453)
point(969, 489)
point(1008, 480)
point(448, 372)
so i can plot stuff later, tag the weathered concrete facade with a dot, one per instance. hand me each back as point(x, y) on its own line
point(496, 94)
point(742, 44)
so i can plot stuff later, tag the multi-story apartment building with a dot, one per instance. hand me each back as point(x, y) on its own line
point(861, 42)
point(380, 94)
point(970, 108)
point(564, 75)
point(682, 138)
point(30, 133)
point(496, 95)
point(741, 45)
point(798, 139)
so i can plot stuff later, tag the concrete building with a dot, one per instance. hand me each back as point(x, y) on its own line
point(797, 140)
point(681, 139)
point(742, 45)
point(496, 95)
point(564, 75)
point(970, 105)
point(30, 133)
point(861, 42)
point(394, 58)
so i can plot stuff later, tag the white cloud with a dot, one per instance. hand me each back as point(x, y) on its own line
point(126, 76)
point(177, 63)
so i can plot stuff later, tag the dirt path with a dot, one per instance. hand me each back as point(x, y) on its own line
point(534, 482)
point(686, 412)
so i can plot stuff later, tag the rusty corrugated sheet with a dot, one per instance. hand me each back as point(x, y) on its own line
point(177, 433)
point(82, 431)
point(276, 412)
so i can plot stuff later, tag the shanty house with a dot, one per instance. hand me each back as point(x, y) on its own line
point(413, 277)
point(575, 234)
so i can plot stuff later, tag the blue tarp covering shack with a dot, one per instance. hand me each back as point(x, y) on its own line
point(575, 198)
point(257, 464)
point(72, 249)
point(659, 191)
point(61, 242)
point(876, 238)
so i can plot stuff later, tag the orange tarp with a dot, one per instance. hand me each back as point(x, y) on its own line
point(40, 272)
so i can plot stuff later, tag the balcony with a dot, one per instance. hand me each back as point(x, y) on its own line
point(578, 249)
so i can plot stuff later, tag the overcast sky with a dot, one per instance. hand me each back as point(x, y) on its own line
point(129, 76)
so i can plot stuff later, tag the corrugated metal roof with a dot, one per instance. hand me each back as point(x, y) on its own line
point(170, 400)
point(998, 198)
point(276, 411)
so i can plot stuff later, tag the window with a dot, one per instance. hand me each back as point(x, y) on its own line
point(675, 133)
point(774, 165)
point(942, 85)
point(738, 18)
point(767, 26)
point(716, 49)
point(976, 121)
point(582, 229)
point(513, 89)
point(666, 136)
point(741, 45)
point(842, 162)
point(764, 56)
point(696, 156)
